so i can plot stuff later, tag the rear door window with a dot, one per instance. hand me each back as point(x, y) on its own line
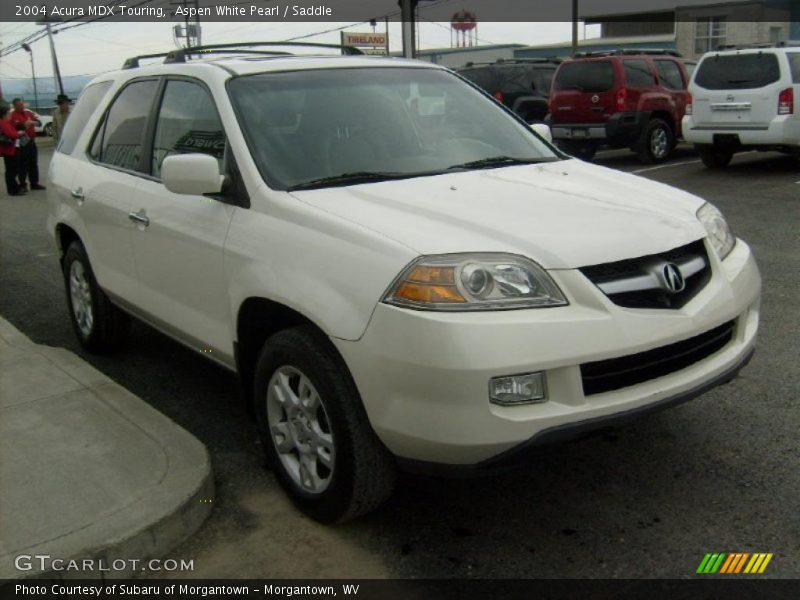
point(637, 73)
point(794, 64)
point(670, 74)
point(586, 76)
point(120, 140)
point(738, 71)
point(87, 103)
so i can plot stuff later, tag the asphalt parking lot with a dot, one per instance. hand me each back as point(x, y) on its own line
point(717, 474)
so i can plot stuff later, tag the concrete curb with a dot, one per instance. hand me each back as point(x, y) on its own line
point(88, 469)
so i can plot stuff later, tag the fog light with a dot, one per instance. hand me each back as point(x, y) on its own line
point(518, 389)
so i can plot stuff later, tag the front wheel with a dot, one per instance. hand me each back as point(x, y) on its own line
point(315, 431)
point(48, 130)
point(100, 326)
point(714, 157)
point(657, 142)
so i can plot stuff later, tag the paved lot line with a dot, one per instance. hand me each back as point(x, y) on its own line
point(680, 164)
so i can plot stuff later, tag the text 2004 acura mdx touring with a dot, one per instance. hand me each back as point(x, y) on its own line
point(399, 269)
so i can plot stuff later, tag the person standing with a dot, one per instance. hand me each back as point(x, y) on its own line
point(60, 116)
point(25, 122)
point(9, 138)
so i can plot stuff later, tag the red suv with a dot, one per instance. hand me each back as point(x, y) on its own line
point(622, 99)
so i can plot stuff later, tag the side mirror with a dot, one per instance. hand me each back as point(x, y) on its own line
point(543, 131)
point(194, 174)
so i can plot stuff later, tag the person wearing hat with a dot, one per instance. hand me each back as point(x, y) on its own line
point(60, 116)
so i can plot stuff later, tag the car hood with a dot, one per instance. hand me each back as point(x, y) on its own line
point(563, 215)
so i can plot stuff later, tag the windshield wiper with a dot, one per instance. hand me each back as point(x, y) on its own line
point(350, 179)
point(499, 161)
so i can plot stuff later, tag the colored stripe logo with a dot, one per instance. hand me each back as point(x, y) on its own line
point(734, 563)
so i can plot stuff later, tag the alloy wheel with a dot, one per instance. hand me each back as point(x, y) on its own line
point(300, 430)
point(81, 297)
point(659, 142)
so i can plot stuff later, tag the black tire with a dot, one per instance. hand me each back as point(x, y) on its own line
point(48, 130)
point(364, 472)
point(582, 150)
point(656, 143)
point(109, 325)
point(714, 157)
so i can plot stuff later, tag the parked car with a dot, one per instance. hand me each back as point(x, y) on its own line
point(435, 289)
point(523, 85)
point(45, 126)
point(745, 99)
point(623, 99)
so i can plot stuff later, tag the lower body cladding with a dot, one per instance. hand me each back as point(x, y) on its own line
point(424, 376)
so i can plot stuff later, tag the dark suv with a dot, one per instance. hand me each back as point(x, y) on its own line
point(523, 85)
point(621, 99)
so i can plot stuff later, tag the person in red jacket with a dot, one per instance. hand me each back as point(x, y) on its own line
point(9, 138)
point(26, 121)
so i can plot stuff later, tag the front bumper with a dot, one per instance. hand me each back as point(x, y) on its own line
point(423, 376)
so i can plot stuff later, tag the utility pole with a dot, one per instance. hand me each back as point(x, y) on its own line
point(574, 27)
point(56, 71)
point(197, 22)
point(407, 16)
point(29, 50)
point(190, 30)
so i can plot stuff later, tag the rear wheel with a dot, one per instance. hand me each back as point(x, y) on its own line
point(714, 157)
point(99, 325)
point(582, 150)
point(657, 142)
point(315, 431)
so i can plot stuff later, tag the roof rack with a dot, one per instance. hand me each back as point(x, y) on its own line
point(789, 44)
point(532, 60)
point(630, 51)
point(180, 56)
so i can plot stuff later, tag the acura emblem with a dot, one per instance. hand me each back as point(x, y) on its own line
point(672, 278)
point(730, 98)
point(595, 98)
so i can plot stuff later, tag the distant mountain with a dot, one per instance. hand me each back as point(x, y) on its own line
point(45, 88)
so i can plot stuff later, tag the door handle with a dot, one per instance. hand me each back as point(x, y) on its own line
point(140, 218)
point(77, 193)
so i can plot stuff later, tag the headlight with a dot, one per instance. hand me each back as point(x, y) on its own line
point(460, 282)
point(719, 233)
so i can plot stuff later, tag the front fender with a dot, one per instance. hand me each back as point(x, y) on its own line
point(330, 270)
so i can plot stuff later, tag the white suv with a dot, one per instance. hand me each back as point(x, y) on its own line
point(435, 289)
point(743, 100)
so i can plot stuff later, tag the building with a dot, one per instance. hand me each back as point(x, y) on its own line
point(691, 27)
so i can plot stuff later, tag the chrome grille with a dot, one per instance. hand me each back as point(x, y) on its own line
point(639, 282)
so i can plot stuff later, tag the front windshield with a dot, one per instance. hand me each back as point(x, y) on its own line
point(313, 126)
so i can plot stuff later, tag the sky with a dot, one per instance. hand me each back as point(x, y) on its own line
point(103, 46)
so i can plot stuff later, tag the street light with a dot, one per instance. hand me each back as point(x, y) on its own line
point(29, 50)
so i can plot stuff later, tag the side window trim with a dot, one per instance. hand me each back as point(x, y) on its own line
point(153, 125)
point(101, 127)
